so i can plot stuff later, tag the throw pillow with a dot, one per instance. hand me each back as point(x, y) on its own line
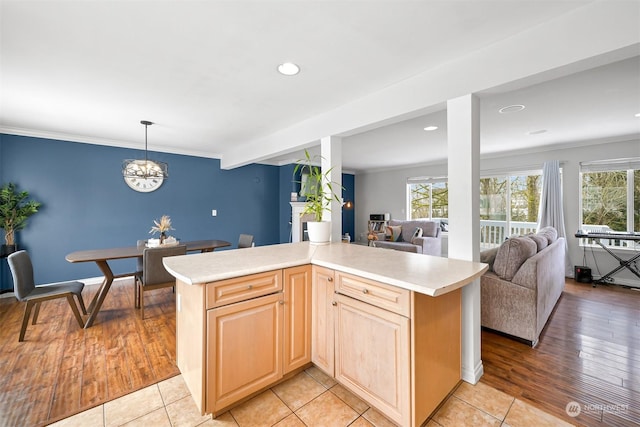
point(488, 256)
point(417, 233)
point(393, 232)
point(541, 241)
point(550, 233)
point(511, 255)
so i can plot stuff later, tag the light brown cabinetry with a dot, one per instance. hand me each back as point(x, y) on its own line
point(238, 289)
point(322, 342)
point(372, 356)
point(297, 318)
point(238, 336)
point(243, 349)
point(396, 349)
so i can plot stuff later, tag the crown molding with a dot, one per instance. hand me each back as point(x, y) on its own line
point(83, 139)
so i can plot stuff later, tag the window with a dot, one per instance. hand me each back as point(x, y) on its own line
point(508, 205)
point(428, 198)
point(610, 197)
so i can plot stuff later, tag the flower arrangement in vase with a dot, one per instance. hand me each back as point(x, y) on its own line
point(162, 227)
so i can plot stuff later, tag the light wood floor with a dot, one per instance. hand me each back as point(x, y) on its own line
point(589, 353)
point(61, 369)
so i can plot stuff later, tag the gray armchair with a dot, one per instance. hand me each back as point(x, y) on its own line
point(429, 244)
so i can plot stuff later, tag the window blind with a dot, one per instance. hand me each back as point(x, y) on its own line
point(426, 180)
point(610, 165)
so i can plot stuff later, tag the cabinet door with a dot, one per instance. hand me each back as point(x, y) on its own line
point(372, 356)
point(297, 318)
point(243, 349)
point(322, 297)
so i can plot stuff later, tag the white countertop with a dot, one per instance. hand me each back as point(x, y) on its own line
point(425, 274)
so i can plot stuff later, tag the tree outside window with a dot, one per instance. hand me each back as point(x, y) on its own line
point(610, 198)
point(636, 200)
point(493, 198)
point(604, 199)
point(429, 200)
point(525, 197)
point(508, 205)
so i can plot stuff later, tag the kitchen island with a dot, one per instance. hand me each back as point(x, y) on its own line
point(385, 324)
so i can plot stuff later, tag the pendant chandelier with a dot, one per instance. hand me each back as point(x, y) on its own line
point(144, 169)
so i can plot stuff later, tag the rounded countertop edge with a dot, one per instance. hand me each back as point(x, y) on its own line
point(413, 273)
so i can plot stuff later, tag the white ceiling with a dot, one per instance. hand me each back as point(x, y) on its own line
point(205, 73)
point(581, 108)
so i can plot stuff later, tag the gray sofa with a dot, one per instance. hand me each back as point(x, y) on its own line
point(523, 284)
point(429, 244)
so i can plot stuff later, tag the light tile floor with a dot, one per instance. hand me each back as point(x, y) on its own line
point(311, 398)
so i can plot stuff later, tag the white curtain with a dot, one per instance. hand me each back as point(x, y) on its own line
point(551, 212)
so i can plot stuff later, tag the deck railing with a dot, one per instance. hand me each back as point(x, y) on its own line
point(493, 233)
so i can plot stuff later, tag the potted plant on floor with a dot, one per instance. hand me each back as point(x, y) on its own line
point(15, 208)
point(318, 192)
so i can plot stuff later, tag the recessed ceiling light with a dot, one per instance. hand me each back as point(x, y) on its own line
point(637, 114)
point(511, 109)
point(537, 132)
point(430, 128)
point(288, 69)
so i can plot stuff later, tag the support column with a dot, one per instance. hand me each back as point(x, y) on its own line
point(463, 130)
point(331, 152)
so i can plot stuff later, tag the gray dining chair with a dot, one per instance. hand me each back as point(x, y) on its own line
point(141, 244)
point(154, 275)
point(245, 241)
point(26, 290)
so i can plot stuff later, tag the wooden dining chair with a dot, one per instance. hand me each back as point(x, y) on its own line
point(245, 241)
point(154, 275)
point(26, 290)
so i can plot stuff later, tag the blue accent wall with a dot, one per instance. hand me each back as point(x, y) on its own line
point(87, 205)
point(287, 186)
point(348, 215)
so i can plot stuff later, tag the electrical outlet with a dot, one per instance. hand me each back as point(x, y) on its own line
point(214, 212)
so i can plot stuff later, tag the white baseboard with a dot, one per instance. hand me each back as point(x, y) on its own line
point(622, 282)
point(473, 376)
point(89, 281)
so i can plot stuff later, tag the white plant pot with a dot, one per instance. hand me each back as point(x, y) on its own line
point(319, 232)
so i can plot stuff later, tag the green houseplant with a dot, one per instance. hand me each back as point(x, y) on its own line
point(15, 209)
point(318, 192)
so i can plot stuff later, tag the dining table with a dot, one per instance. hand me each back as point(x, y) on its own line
point(102, 257)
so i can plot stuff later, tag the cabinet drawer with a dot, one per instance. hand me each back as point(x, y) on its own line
point(243, 288)
point(384, 296)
